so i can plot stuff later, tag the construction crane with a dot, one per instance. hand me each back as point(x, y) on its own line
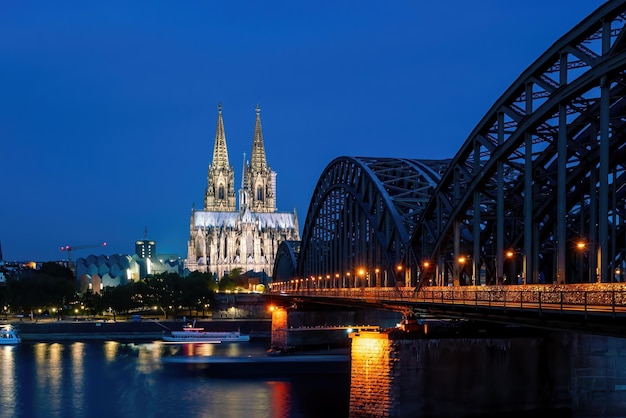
point(70, 248)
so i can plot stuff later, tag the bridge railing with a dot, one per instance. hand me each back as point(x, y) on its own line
point(596, 297)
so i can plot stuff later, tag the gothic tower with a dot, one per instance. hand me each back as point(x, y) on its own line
point(258, 180)
point(220, 191)
point(222, 238)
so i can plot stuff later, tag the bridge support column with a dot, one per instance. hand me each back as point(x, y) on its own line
point(295, 329)
point(375, 376)
point(447, 371)
point(279, 328)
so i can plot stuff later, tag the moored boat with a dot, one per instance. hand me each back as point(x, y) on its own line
point(193, 334)
point(9, 336)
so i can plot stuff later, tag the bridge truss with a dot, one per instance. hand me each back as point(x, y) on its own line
point(361, 217)
point(542, 171)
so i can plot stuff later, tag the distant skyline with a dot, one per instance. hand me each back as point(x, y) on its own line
point(108, 109)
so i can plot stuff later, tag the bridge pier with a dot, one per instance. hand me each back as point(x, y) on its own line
point(279, 328)
point(316, 329)
point(400, 374)
point(310, 329)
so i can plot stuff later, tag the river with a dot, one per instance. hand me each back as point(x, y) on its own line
point(120, 379)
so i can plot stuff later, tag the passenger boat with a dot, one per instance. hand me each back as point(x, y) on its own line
point(193, 334)
point(8, 336)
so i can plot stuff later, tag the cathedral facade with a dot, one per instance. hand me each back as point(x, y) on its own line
point(240, 230)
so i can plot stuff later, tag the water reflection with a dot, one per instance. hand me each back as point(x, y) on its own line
point(110, 350)
point(8, 385)
point(279, 399)
point(197, 349)
point(112, 379)
point(78, 375)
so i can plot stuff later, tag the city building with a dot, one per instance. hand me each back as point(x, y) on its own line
point(95, 272)
point(145, 248)
point(228, 234)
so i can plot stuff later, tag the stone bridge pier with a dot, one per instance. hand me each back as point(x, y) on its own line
point(400, 374)
point(314, 328)
point(302, 329)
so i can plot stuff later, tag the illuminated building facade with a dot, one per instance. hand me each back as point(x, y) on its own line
point(145, 248)
point(224, 236)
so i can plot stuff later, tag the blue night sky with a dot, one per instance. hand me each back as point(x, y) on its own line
point(108, 108)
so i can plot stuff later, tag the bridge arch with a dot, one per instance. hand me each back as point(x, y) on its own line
point(361, 216)
point(543, 170)
point(286, 261)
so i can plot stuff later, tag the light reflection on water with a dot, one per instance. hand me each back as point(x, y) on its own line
point(113, 379)
point(78, 375)
point(7, 378)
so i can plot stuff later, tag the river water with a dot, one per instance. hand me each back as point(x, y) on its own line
point(119, 379)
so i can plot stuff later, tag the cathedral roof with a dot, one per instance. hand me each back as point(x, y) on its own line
point(278, 220)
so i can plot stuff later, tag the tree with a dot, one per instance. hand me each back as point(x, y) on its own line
point(196, 291)
point(163, 291)
point(229, 282)
point(51, 285)
point(119, 298)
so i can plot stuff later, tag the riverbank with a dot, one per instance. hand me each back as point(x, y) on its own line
point(69, 330)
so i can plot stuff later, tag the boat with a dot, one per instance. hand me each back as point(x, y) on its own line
point(193, 334)
point(9, 336)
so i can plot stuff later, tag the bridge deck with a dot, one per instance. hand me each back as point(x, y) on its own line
point(596, 308)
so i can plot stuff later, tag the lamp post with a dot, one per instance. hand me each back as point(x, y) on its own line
point(361, 277)
point(425, 267)
point(593, 259)
point(511, 255)
point(399, 268)
point(348, 283)
point(461, 260)
point(376, 283)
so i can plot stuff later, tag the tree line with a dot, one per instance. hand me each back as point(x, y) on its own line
point(52, 290)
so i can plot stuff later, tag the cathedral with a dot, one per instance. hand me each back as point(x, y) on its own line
point(243, 233)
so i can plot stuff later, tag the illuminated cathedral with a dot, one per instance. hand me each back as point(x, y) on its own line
point(240, 230)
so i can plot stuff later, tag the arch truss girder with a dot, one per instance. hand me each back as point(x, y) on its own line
point(363, 212)
point(286, 261)
point(544, 166)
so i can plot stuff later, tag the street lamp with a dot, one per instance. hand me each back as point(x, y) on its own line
point(348, 275)
point(593, 262)
point(461, 260)
point(361, 275)
point(377, 283)
point(425, 267)
point(511, 254)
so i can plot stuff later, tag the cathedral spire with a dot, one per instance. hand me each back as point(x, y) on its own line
point(244, 178)
point(258, 161)
point(244, 191)
point(260, 180)
point(220, 192)
point(220, 152)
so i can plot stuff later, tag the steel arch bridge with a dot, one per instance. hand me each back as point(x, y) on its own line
point(542, 171)
point(361, 215)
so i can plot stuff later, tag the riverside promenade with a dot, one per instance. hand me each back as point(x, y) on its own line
point(49, 330)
